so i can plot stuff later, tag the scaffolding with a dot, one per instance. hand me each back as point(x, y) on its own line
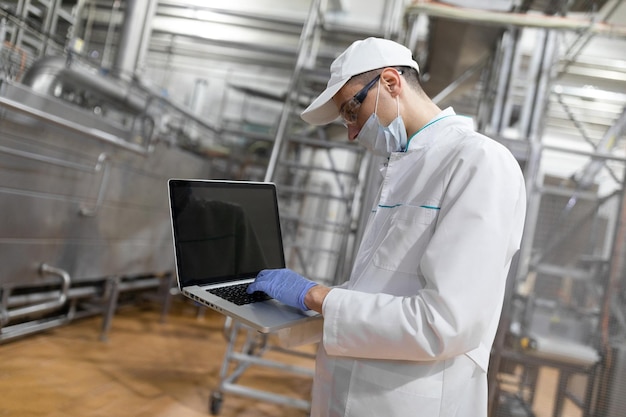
point(564, 303)
point(512, 95)
point(321, 191)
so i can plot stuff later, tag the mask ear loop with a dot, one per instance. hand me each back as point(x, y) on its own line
point(398, 103)
point(377, 95)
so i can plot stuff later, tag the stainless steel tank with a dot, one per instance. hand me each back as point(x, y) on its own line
point(82, 196)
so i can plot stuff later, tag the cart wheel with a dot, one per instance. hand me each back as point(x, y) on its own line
point(215, 403)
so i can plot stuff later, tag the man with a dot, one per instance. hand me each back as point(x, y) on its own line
point(410, 333)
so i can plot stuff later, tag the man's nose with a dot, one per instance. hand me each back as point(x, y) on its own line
point(353, 131)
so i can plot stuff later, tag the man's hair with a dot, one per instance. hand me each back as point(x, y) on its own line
point(410, 74)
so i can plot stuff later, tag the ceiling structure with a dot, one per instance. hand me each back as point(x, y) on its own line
point(250, 48)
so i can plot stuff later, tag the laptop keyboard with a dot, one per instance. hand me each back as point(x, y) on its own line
point(237, 294)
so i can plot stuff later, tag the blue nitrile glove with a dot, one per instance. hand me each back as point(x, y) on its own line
point(284, 285)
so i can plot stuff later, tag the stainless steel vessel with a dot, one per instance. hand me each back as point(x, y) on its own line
point(83, 201)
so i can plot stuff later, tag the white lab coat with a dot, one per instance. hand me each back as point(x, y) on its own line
point(410, 333)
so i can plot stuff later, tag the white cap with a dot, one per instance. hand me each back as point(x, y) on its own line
point(362, 56)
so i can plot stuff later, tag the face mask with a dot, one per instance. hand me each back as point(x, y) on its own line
point(382, 140)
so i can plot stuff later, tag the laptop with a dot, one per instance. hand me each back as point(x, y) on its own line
point(225, 233)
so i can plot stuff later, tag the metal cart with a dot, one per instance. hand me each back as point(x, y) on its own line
point(246, 348)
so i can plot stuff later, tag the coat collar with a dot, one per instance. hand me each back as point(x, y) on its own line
point(424, 137)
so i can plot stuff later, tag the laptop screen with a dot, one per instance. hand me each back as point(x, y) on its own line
point(224, 230)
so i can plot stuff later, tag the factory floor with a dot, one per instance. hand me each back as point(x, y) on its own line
point(147, 368)
point(151, 367)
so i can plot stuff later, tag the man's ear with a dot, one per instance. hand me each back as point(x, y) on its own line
point(392, 80)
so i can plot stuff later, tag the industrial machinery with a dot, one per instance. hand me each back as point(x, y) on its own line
point(84, 160)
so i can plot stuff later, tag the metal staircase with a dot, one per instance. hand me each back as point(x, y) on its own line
point(320, 175)
point(323, 181)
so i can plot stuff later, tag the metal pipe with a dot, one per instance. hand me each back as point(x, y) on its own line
point(591, 93)
point(49, 305)
point(586, 176)
point(24, 329)
point(3, 32)
point(134, 37)
point(515, 19)
point(108, 41)
point(531, 127)
point(255, 360)
point(71, 126)
point(506, 49)
point(574, 50)
point(140, 284)
point(45, 75)
point(271, 19)
point(584, 153)
point(544, 78)
point(50, 22)
point(391, 19)
point(508, 102)
point(567, 192)
point(73, 293)
point(531, 178)
point(467, 74)
point(266, 396)
point(532, 87)
point(49, 160)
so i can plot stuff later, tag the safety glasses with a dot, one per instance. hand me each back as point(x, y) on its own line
point(350, 109)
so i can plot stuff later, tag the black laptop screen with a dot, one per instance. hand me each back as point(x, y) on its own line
point(224, 230)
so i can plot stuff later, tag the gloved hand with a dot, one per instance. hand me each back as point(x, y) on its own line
point(284, 285)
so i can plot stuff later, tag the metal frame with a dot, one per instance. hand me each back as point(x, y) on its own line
point(293, 164)
point(513, 347)
point(241, 355)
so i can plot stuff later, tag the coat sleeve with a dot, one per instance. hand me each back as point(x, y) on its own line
point(464, 266)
